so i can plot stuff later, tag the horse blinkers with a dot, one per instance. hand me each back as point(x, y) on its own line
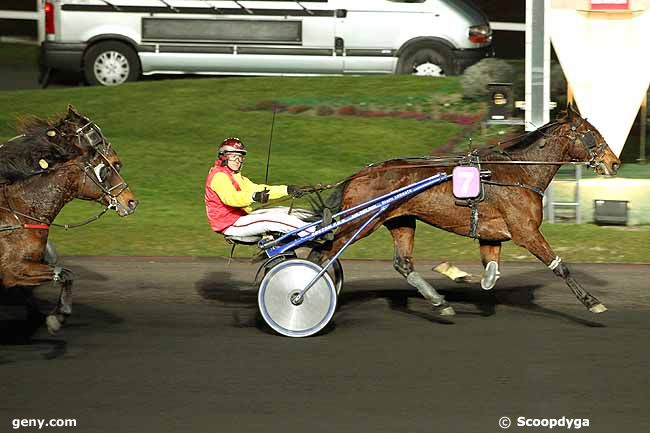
point(90, 135)
point(589, 139)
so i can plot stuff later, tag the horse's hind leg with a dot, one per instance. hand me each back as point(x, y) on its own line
point(490, 256)
point(534, 242)
point(403, 231)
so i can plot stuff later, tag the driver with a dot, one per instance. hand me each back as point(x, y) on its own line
point(228, 196)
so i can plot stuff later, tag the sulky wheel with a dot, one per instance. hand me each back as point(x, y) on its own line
point(336, 272)
point(281, 285)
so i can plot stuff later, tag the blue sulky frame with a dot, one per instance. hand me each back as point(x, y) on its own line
point(377, 205)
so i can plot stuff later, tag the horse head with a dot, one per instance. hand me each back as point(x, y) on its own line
point(588, 145)
point(99, 163)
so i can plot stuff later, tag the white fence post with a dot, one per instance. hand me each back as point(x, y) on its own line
point(40, 25)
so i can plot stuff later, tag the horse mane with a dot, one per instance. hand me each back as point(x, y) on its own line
point(524, 141)
point(22, 156)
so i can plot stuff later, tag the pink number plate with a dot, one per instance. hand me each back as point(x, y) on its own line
point(467, 182)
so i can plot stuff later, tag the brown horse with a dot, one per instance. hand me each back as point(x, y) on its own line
point(47, 166)
point(511, 209)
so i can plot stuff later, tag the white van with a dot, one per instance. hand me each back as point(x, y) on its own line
point(113, 41)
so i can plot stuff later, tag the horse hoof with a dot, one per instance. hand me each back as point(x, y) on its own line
point(444, 309)
point(53, 324)
point(598, 308)
point(490, 276)
point(447, 311)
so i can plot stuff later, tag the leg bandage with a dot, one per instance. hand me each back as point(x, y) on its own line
point(555, 263)
point(425, 289)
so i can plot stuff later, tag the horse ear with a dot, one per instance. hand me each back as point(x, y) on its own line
point(72, 112)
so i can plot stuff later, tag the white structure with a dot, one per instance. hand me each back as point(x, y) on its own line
point(603, 48)
point(538, 64)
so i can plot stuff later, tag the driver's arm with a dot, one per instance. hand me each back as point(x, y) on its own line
point(275, 191)
point(227, 193)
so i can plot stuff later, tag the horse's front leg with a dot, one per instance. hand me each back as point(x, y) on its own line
point(63, 308)
point(534, 242)
point(403, 231)
point(490, 256)
point(34, 274)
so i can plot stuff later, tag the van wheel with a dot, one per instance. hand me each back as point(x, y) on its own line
point(111, 63)
point(430, 62)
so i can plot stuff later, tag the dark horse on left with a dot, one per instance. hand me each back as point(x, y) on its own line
point(49, 164)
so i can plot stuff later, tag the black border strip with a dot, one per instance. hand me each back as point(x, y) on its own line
point(285, 51)
point(195, 49)
point(370, 53)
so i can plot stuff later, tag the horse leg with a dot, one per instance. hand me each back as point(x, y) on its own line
point(63, 308)
point(33, 274)
point(535, 243)
point(403, 231)
point(490, 256)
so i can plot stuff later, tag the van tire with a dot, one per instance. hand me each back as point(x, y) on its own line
point(111, 63)
point(434, 62)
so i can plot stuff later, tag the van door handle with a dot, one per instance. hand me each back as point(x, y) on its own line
point(341, 13)
point(339, 46)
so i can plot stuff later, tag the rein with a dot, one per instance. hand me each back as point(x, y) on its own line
point(43, 224)
point(594, 152)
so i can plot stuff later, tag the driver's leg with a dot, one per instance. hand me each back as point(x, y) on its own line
point(260, 223)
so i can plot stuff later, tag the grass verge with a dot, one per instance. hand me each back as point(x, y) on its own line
point(166, 133)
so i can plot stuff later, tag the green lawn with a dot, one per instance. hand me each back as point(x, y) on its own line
point(166, 133)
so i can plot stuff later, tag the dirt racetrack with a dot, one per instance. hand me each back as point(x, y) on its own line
point(176, 345)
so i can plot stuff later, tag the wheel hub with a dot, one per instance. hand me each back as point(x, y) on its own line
point(285, 310)
point(111, 68)
point(428, 70)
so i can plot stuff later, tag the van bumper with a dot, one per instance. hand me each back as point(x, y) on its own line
point(467, 58)
point(61, 56)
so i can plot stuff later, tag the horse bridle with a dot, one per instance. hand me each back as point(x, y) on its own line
point(94, 138)
point(594, 150)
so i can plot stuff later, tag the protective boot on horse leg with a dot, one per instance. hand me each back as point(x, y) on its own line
point(540, 248)
point(63, 309)
point(404, 265)
point(490, 256)
point(587, 299)
point(402, 229)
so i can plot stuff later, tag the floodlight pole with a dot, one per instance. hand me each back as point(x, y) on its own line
point(642, 133)
point(538, 64)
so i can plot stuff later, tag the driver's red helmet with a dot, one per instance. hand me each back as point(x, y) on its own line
point(232, 144)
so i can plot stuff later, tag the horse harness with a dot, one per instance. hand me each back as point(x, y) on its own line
point(92, 136)
point(473, 159)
